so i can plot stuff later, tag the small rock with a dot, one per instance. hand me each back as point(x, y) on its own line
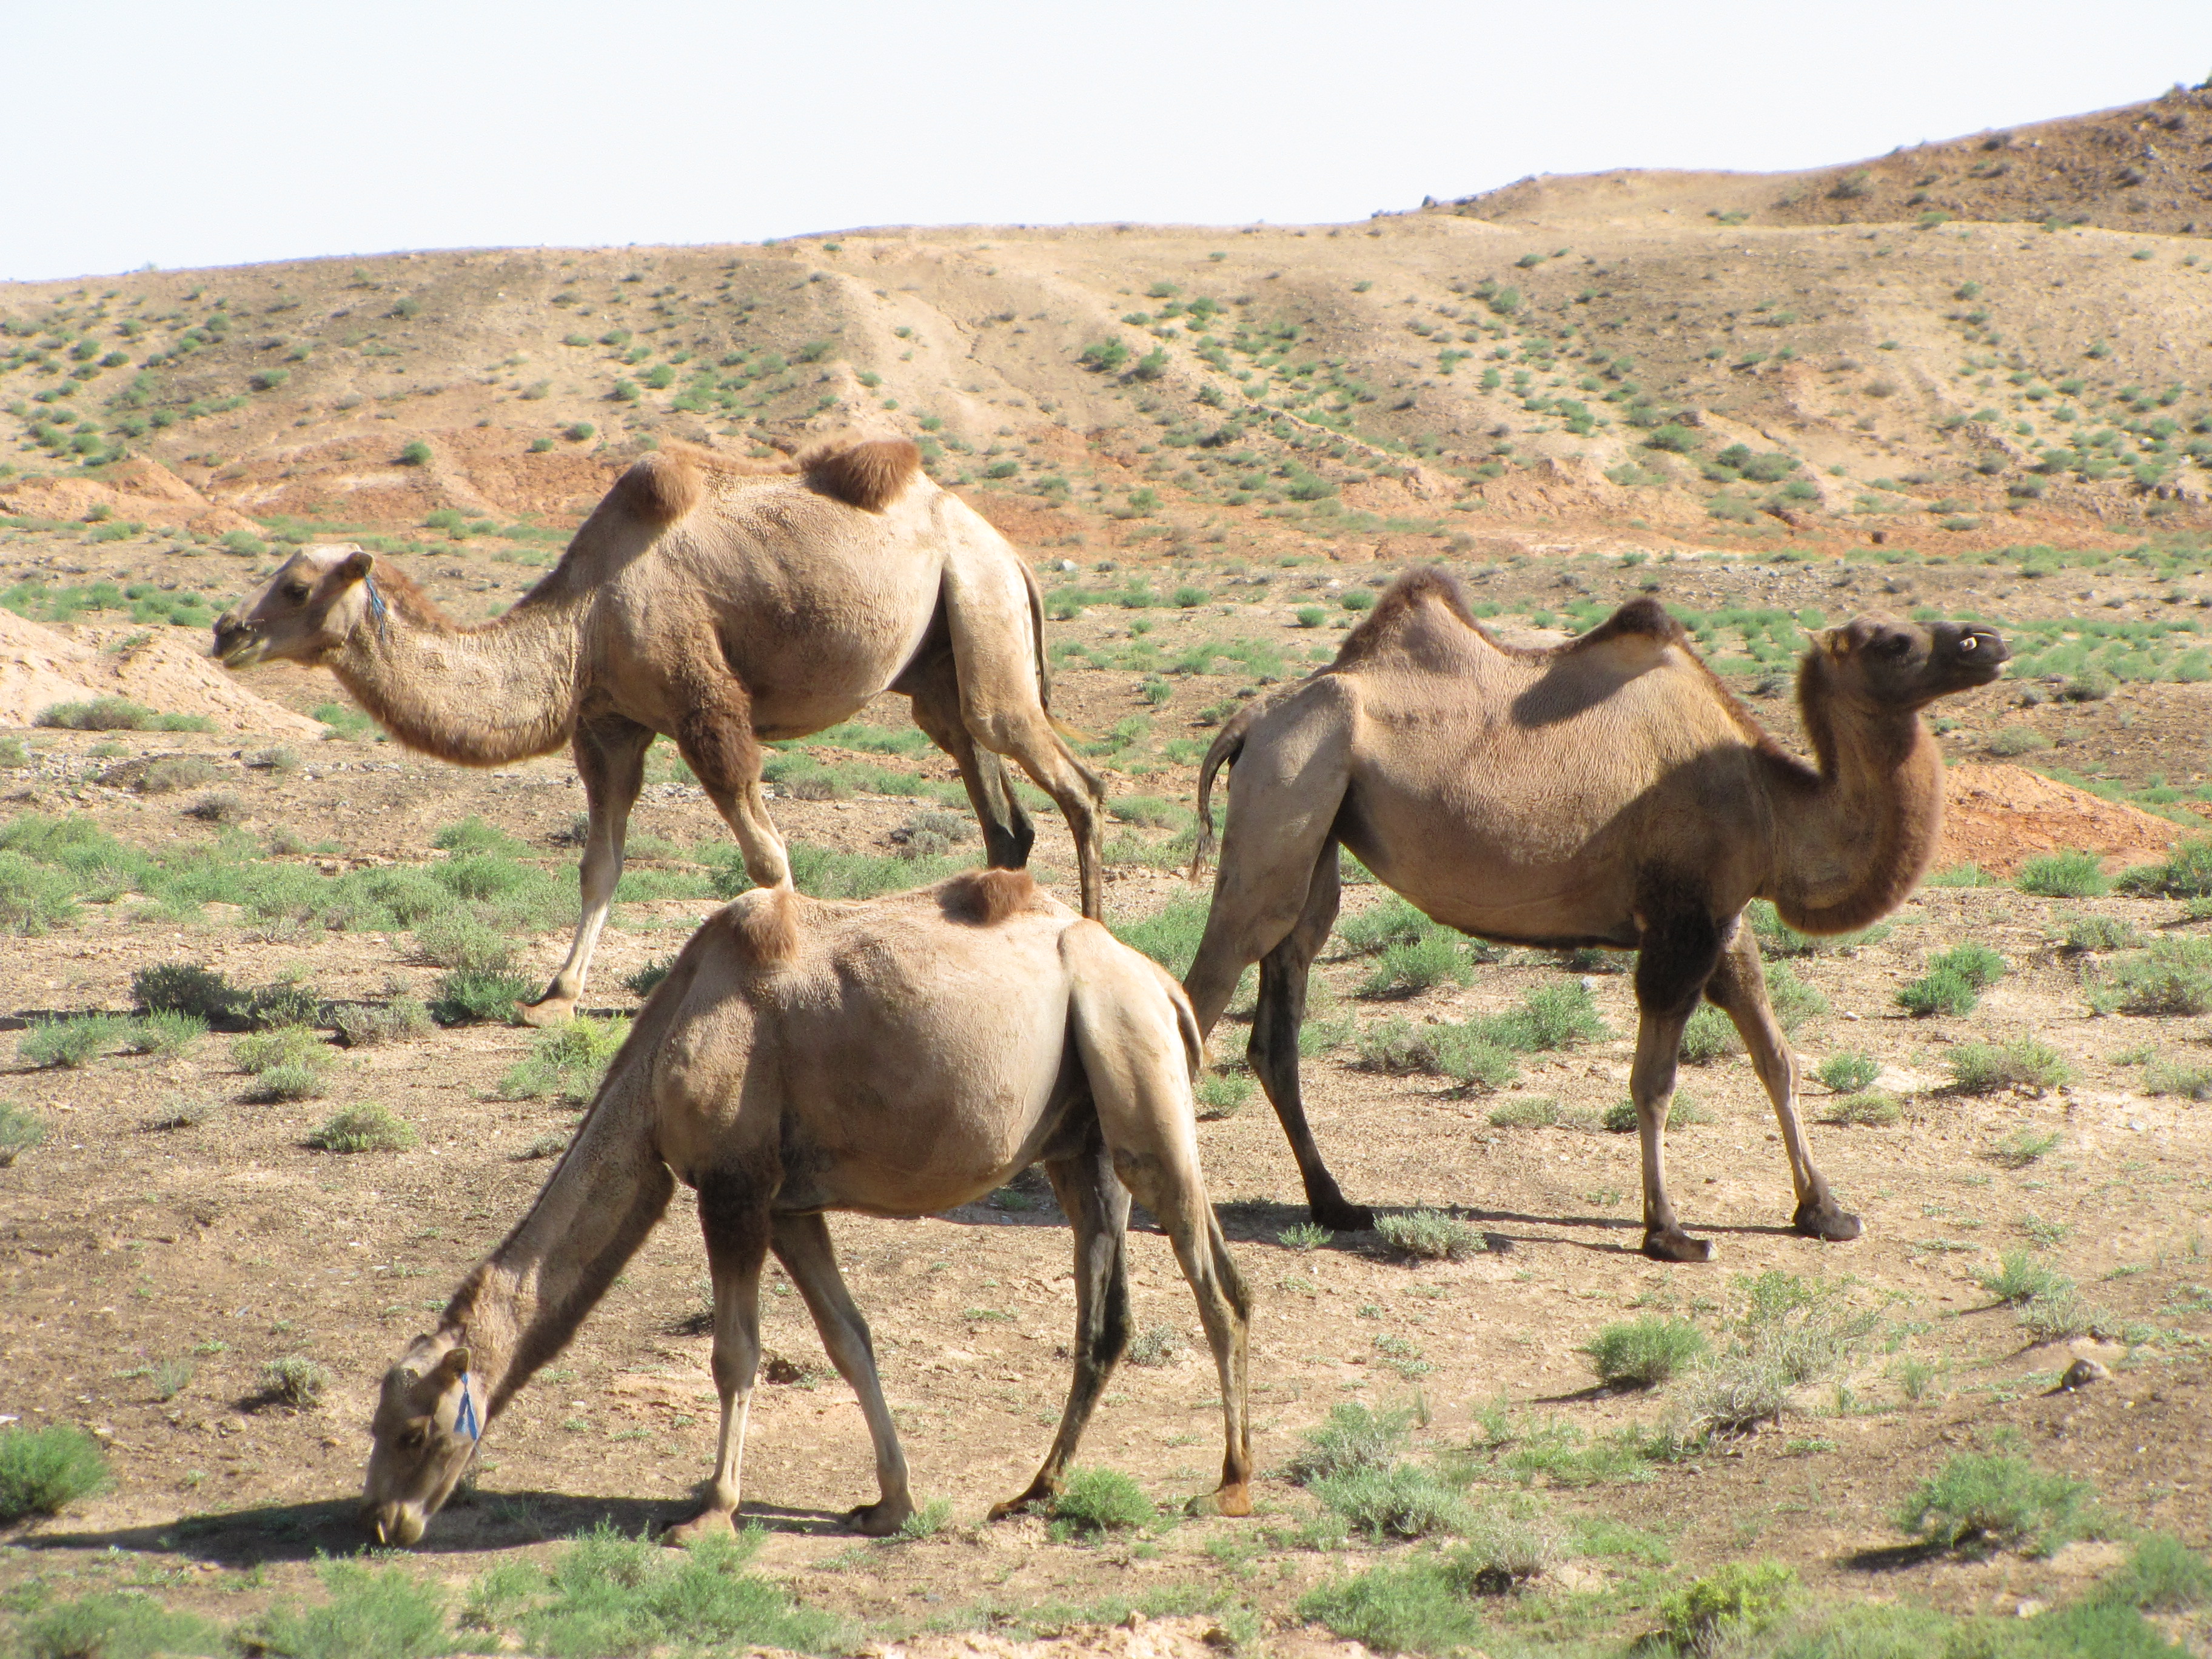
point(2031, 1606)
point(2082, 1373)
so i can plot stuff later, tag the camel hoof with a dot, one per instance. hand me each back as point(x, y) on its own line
point(548, 1010)
point(1340, 1217)
point(877, 1520)
point(1224, 1500)
point(1035, 1495)
point(1825, 1221)
point(708, 1523)
point(1677, 1246)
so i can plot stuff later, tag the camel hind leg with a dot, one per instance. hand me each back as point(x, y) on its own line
point(1273, 1049)
point(996, 654)
point(802, 1243)
point(715, 735)
point(1738, 988)
point(1680, 947)
point(935, 694)
point(1097, 1209)
point(610, 760)
point(1139, 1070)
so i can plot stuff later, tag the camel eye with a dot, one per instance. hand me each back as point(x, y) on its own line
point(1896, 646)
point(413, 1440)
point(296, 592)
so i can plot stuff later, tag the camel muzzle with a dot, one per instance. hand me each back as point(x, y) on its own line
point(392, 1525)
point(1976, 655)
point(237, 644)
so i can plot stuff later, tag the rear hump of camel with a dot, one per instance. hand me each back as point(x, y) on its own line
point(721, 610)
point(1608, 792)
point(897, 1057)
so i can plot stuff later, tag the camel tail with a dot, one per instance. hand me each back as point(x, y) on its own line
point(1224, 751)
point(660, 488)
point(1044, 668)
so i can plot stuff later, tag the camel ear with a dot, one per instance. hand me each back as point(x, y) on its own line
point(1836, 642)
point(455, 1365)
point(358, 563)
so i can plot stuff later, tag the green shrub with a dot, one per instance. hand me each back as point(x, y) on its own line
point(2163, 1575)
point(641, 983)
point(1104, 356)
point(469, 994)
point(33, 899)
point(2186, 873)
point(1171, 936)
point(2021, 1277)
point(1793, 1001)
point(1221, 1095)
point(185, 987)
point(43, 1471)
point(1305, 1236)
point(1310, 616)
point(1987, 1501)
point(102, 714)
point(1869, 1108)
point(1429, 1236)
point(1419, 964)
point(416, 454)
point(164, 1034)
point(458, 939)
point(368, 1127)
point(1954, 981)
point(1397, 1502)
point(1981, 1068)
point(1708, 1035)
point(1415, 1607)
point(294, 1381)
point(2192, 1080)
point(1097, 1500)
point(567, 1062)
point(108, 1625)
point(287, 1003)
point(1641, 1353)
point(293, 1081)
point(1847, 1073)
point(1530, 1112)
point(1352, 1438)
point(2064, 875)
point(364, 1024)
point(21, 1129)
point(2094, 933)
point(2173, 976)
point(1739, 1597)
point(1549, 1017)
point(74, 1042)
point(281, 1045)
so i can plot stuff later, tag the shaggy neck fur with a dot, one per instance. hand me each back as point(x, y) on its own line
point(519, 1307)
point(481, 696)
point(1853, 839)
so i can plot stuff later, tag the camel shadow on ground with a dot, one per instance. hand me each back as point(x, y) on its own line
point(240, 1538)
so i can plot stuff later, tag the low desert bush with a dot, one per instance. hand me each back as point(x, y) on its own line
point(1096, 1500)
point(2064, 875)
point(172, 773)
point(2190, 1079)
point(294, 1381)
point(566, 1062)
point(1981, 1068)
point(43, 1471)
point(281, 1045)
point(1983, 1502)
point(74, 1041)
point(365, 1024)
point(164, 1034)
point(470, 994)
point(2094, 933)
point(1954, 981)
point(2173, 976)
point(368, 1127)
point(1847, 1072)
point(1869, 1108)
point(288, 1082)
point(1709, 1035)
point(1353, 1437)
point(1221, 1095)
point(1429, 1236)
point(2186, 873)
point(34, 899)
point(21, 1129)
point(1642, 1353)
point(185, 987)
point(1740, 1599)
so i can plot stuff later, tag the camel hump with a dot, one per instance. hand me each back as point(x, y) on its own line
point(766, 925)
point(1401, 600)
point(1645, 617)
point(868, 474)
point(660, 488)
point(984, 898)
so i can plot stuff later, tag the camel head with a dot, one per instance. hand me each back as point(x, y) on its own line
point(428, 1416)
point(317, 598)
point(1902, 665)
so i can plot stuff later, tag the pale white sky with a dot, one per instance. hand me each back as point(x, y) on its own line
point(189, 135)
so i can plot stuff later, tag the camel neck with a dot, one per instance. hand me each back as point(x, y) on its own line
point(481, 696)
point(1854, 836)
point(519, 1306)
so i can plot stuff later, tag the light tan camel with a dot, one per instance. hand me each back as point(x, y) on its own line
point(1608, 792)
point(896, 1057)
point(719, 610)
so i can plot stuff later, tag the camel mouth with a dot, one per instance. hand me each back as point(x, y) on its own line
point(240, 650)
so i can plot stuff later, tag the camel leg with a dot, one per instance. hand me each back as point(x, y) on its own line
point(1273, 1049)
point(1676, 959)
point(1282, 803)
point(1007, 834)
point(736, 1226)
point(715, 734)
point(610, 760)
point(1139, 1070)
point(1097, 1209)
point(1738, 988)
point(802, 1243)
point(995, 654)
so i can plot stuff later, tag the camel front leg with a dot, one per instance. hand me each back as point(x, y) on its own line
point(611, 760)
point(1738, 988)
point(737, 1231)
point(802, 1244)
point(1097, 1209)
point(1273, 1049)
point(715, 737)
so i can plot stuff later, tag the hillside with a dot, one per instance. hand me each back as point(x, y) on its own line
point(1816, 359)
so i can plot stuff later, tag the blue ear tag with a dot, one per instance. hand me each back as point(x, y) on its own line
point(464, 1419)
point(375, 603)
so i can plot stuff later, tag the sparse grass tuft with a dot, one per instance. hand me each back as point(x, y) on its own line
point(1869, 1110)
point(1642, 1353)
point(2101, 934)
point(72, 1043)
point(1352, 1438)
point(1954, 981)
point(2021, 1277)
point(1740, 1599)
point(385, 1611)
point(1398, 1501)
point(2163, 1575)
point(365, 1024)
point(1429, 1236)
point(2191, 1079)
point(641, 983)
point(1848, 1072)
point(1097, 1500)
point(1221, 1095)
point(1983, 1502)
point(21, 1130)
point(43, 1471)
point(2173, 976)
point(164, 1034)
point(469, 994)
point(288, 1082)
point(368, 1127)
point(1305, 1235)
point(2186, 872)
point(1530, 1112)
point(1710, 1035)
point(2024, 1145)
point(34, 899)
point(2064, 875)
point(1157, 1344)
point(1981, 1068)
point(567, 1061)
point(295, 1381)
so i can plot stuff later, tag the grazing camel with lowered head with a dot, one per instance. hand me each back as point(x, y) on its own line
point(722, 611)
point(896, 1057)
point(1606, 792)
